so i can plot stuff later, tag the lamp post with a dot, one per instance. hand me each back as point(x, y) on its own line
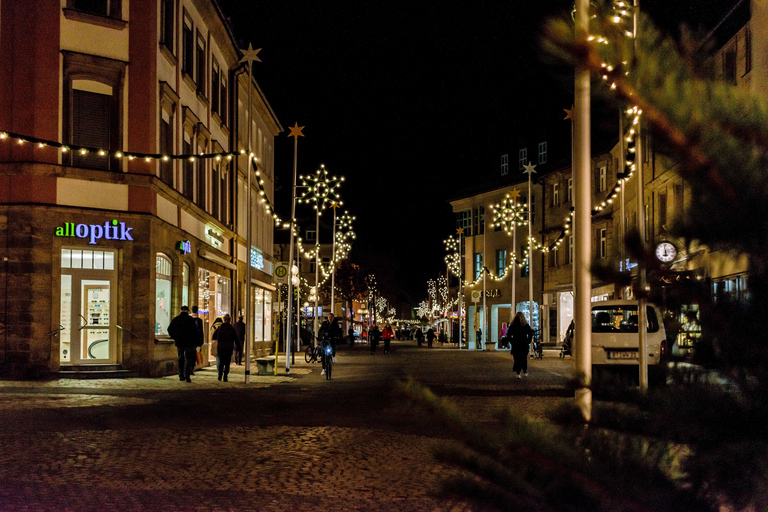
point(530, 169)
point(508, 215)
point(295, 133)
point(345, 224)
point(249, 56)
point(319, 188)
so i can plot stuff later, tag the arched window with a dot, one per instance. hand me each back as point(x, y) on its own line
point(162, 294)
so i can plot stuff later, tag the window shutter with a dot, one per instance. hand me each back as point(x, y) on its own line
point(91, 127)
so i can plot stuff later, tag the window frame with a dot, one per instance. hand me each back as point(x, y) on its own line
point(555, 194)
point(501, 261)
point(522, 158)
point(603, 178)
point(163, 330)
point(168, 25)
point(543, 152)
point(187, 46)
point(505, 164)
point(477, 265)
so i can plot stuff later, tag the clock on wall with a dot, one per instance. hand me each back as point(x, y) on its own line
point(666, 252)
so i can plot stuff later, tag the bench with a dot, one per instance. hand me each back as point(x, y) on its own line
point(265, 365)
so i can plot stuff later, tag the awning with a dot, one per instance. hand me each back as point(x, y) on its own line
point(225, 262)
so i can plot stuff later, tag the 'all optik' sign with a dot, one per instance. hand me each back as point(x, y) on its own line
point(113, 230)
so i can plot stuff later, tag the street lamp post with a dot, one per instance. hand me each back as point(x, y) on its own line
point(295, 133)
point(529, 169)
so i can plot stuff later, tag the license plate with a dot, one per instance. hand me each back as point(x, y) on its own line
point(626, 354)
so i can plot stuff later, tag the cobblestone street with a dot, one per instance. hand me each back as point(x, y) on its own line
point(294, 442)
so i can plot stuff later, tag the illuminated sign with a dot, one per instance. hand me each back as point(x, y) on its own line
point(257, 259)
point(111, 230)
point(184, 246)
point(215, 237)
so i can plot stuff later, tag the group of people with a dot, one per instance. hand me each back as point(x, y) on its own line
point(187, 332)
point(518, 336)
point(375, 336)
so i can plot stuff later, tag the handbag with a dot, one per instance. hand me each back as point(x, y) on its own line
point(199, 356)
point(215, 348)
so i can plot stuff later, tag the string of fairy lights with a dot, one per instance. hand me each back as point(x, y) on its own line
point(508, 214)
point(106, 154)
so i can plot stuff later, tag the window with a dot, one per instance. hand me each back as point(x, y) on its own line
point(525, 271)
point(215, 172)
point(479, 220)
point(92, 108)
point(603, 177)
point(569, 253)
point(662, 210)
point(554, 257)
point(543, 152)
point(166, 146)
point(188, 47)
point(168, 24)
point(224, 196)
point(747, 51)
point(106, 8)
point(522, 158)
point(504, 165)
point(215, 87)
point(478, 264)
point(556, 194)
point(162, 294)
point(223, 99)
point(188, 171)
point(311, 235)
point(677, 195)
point(729, 65)
point(602, 244)
point(570, 190)
point(200, 76)
point(201, 173)
point(621, 318)
point(464, 221)
point(501, 261)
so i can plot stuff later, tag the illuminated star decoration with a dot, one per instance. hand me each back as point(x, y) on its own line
point(529, 169)
point(320, 189)
point(296, 131)
point(508, 213)
point(460, 231)
point(569, 113)
point(250, 55)
point(515, 194)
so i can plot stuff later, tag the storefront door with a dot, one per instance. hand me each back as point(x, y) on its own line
point(88, 333)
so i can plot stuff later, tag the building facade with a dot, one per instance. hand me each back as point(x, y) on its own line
point(124, 166)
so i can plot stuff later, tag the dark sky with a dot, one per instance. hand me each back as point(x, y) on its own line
point(410, 101)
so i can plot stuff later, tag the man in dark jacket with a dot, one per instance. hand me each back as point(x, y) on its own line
point(240, 328)
point(184, 332)
point(227, 337)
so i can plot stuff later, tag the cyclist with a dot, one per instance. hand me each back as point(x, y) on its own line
point(332, 330)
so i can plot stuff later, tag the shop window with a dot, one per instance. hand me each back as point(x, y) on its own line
point(267, 315)
point(85, 259)
point(258, 314)
point(163, 278)
point(185, 284)
point(92, 109)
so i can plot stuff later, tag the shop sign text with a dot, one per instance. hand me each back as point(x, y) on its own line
point(113, 230)
point(184, 246)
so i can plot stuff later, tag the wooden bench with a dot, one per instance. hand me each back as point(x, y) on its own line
point(265, 365)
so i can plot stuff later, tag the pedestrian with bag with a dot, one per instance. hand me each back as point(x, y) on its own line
point(200, 338)
point(226, 341)
point(183, 329)
point(521, 334)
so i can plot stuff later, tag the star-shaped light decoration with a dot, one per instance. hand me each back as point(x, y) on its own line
point(529, 169)
point(296, 131)
point(250, 55)
point(515, 194)
point(569, 113)
point(320, 189)
point(508, 213)
point(460, 231)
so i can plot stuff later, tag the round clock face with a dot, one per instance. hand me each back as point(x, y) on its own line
point(666, 252)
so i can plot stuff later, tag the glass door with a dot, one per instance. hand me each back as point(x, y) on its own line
point(95, 333)
point(87, 311)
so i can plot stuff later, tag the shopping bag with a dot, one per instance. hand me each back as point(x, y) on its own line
point(199, 356)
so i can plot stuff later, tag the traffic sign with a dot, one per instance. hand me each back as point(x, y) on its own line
point(476, 296)
point(281, 272)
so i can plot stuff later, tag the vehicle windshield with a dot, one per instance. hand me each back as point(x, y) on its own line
point(621, 318)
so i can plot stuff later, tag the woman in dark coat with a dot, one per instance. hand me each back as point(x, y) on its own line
point(521, 334)
point(227, 338)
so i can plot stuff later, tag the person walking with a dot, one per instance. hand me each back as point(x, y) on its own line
point(200, 338)
point(479, 339)
point(240, 328)
point(419, 336)
point(183, 329)
point(374, 336)
point(430, 337)
point(521, 334)
point(351, 334)
point(503, 336)
point(386, 335)
point(226, 337)
point(214, 345)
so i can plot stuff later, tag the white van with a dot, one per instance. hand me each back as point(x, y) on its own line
point(615, 338)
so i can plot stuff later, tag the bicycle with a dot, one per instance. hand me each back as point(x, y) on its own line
point(313, 353)
point(327, 352)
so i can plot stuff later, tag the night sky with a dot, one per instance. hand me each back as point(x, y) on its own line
point(412, 102)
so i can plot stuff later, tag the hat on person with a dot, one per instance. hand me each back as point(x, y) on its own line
point(185, 308)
